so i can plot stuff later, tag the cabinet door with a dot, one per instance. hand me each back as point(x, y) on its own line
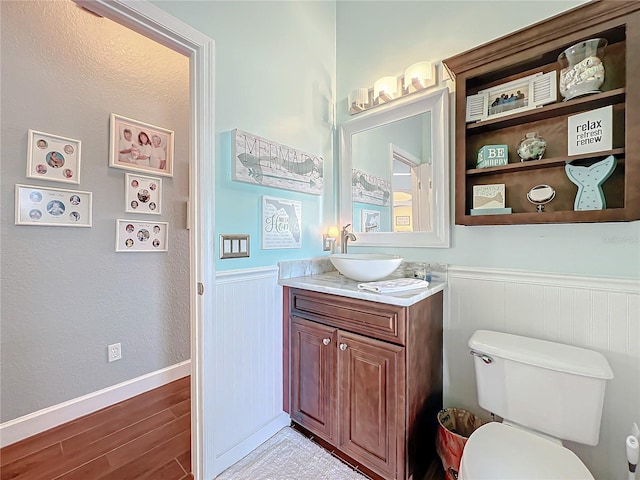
point(313, 377)
point(371, 404)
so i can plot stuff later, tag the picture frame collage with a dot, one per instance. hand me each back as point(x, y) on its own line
point(53, 158)
point(135, 146)
point(141, 147)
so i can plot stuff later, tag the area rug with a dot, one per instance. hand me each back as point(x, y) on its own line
point(289, 455)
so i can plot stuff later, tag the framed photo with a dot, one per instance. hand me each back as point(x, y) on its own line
point(140, 146)
point(403, 220)
point(516, 96)
point(134, 236)
point(142, 194)
point(52, 157)
point(369, 220)
point(53, 207)
point(281, 223)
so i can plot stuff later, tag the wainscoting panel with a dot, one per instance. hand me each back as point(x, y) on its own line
point(601, 314)
point(248, 362)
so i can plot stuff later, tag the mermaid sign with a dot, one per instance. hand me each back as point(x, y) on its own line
point(260, 161)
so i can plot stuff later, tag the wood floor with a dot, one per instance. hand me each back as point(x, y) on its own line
point(145, 437)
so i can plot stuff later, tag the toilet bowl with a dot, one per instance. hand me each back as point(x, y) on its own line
point(546, 392)
point(497, 451)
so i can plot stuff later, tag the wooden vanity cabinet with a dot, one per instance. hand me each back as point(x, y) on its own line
point(366, 378)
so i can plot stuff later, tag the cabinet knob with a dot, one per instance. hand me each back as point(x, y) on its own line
point(343, 346)
point(326, 341)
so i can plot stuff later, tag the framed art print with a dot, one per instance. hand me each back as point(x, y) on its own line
point(281, 223)
point(142, 194)
point(53, 207)
point(370, 220)
point(52, 157)
point(403, 220)
point(135, 236)
point(140, 146)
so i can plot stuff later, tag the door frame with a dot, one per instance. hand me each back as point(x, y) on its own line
point(156, 24)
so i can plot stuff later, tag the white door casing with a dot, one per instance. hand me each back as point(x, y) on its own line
point(156, 24)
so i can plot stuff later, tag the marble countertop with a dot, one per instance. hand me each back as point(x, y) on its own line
point(334, 283)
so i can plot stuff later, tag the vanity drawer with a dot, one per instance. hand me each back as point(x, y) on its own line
point(377, 320)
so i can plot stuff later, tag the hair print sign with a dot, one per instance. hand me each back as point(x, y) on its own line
point(260, 161)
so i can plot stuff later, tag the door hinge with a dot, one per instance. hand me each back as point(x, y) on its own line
point(200, 288)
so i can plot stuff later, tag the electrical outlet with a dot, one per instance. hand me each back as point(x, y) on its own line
point(114, 352)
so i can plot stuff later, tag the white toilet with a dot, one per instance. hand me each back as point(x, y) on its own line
point(545, 392)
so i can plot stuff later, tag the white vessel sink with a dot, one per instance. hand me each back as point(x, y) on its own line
point(365, 267)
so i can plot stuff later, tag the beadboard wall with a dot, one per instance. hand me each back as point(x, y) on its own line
point(248, 362)
point(601, 314)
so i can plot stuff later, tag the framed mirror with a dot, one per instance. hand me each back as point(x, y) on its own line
point(394, 173)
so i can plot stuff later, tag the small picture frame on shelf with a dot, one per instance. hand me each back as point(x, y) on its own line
point(52, 207)
point(54, 158)
point(143, 194)
point(489, 200)
point(135, 236)
point(516, 96)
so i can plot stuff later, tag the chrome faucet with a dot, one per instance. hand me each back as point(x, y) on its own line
point(346, 236)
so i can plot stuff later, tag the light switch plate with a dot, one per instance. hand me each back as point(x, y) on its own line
point(234, 246)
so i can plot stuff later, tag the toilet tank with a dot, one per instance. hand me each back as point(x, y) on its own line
point(550, 387)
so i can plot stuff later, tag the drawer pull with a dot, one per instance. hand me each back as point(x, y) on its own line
point(343, 346)
point(326, 341)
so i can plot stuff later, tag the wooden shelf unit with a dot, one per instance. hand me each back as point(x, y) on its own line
point(536, 49)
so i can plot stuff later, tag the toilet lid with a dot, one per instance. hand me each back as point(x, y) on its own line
point(499, 452)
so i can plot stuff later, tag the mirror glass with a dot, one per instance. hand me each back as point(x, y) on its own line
point(394, 179)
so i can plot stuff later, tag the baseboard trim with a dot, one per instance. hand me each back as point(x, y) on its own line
point(224, 460)
point(37, 422)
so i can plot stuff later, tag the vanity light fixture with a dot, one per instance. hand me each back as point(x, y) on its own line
point(359, 100)
point(385, 90)
point(330, 238)
point(417, 77)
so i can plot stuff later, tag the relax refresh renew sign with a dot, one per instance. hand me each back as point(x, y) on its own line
point(590, 132)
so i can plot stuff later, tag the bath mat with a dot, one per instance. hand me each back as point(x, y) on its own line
point(289, 455)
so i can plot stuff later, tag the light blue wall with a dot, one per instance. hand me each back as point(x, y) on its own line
point(281, 65)
point(375, 39)
point(275, 78)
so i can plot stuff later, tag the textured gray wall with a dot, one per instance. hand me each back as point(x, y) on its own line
point(65, 293)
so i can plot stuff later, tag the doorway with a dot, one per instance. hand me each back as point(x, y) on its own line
point(155, 24)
